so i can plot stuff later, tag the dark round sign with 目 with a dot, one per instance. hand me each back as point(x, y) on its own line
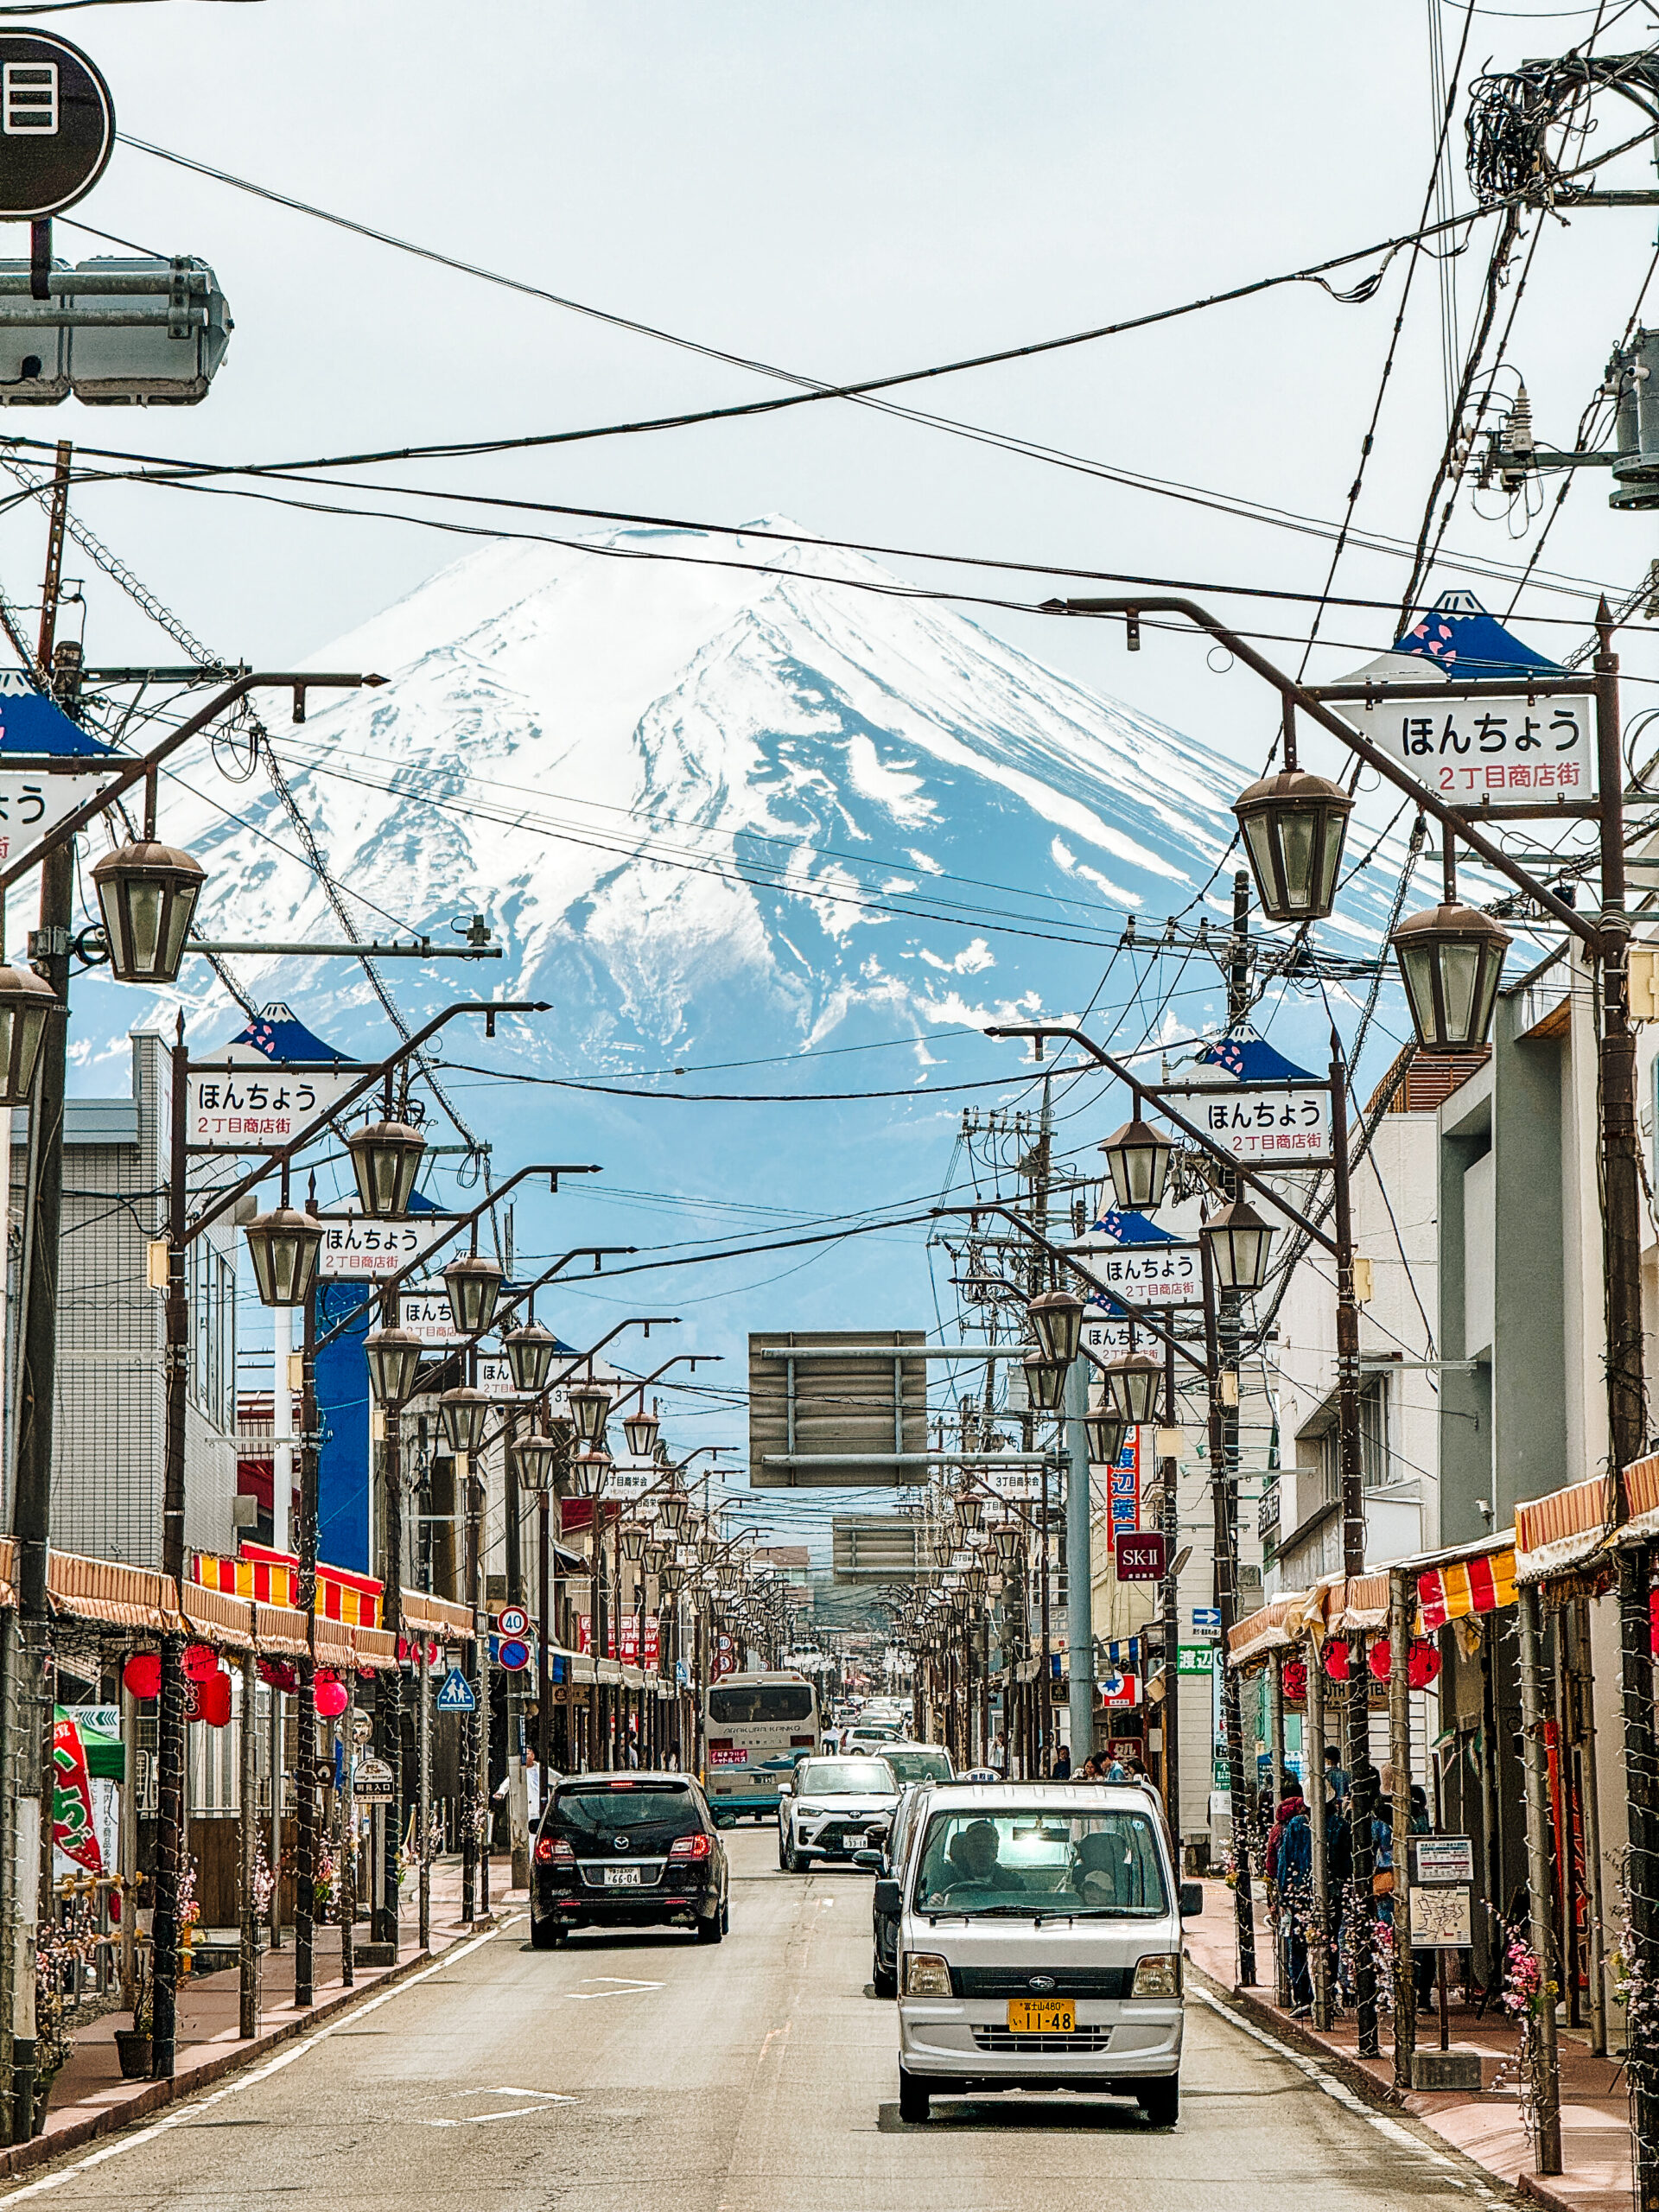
point(57, 125)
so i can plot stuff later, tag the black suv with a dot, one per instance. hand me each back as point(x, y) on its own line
point(627, 1850)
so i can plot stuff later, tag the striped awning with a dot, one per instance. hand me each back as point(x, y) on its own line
point(1555, 1534)
point(1483, 1584)
point(268, 1577)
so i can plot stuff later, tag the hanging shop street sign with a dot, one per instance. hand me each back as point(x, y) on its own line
point(1489, 752)
point(1282, 1125)
point(355, 1244)
point(1138, 1555)
point(372, 1780)
point(57, 125)
point(1196, 1659)
point(1143, 1274)
point(37, 797)
point(426, 1312)
point(233, 1107)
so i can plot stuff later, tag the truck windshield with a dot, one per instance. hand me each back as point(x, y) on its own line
point(1106, 1864)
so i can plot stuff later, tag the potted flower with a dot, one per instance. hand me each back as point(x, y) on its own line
point(133, 2045)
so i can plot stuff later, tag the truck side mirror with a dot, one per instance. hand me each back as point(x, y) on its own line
point(889, 1899)
point(1192, 1900)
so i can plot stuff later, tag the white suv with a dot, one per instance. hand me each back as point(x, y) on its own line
point(832, 1808)
point(1039, 1945)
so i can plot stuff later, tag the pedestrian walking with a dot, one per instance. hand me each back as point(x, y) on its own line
point(1061, 1770)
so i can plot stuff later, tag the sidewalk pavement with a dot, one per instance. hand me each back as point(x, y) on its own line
point(90, 2099)
point(1486, 2125)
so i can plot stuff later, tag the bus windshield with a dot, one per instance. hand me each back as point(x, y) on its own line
point(737, 1704)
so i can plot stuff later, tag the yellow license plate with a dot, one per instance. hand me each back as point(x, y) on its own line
point(1028, 2018)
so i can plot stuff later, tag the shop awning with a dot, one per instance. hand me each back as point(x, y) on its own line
point(1274, 1625)
point(1480, 1580)
point(1641, 1500)
point(1554, 1534)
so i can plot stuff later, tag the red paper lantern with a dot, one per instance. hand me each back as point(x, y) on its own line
point(1380, 1659)
point(142, 1675)
point(1336, 1659)
point(1422, 1665)
point(213, 1701)
point(330, 1698)
point(1653, 1621)
point(201, 1661)
point(281, 1673)
point(1293, 1680)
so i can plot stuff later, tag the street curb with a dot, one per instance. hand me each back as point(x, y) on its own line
point(1379, 2095)
point(41, 2150)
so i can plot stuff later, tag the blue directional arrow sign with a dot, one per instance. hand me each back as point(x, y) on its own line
point(456, 1693)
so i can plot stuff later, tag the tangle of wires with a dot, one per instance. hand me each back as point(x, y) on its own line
point(1511, 112)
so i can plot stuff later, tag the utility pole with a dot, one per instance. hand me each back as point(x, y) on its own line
point(27, 1712)
point(1169, 1481)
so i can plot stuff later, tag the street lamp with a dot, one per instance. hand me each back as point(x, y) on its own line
point(1045, 1383)
point(386, 1160)
point(393, 1355)
point(1239, 1242)
point(590, 1407)
point(1138, 1157)
point(26, 999)
point(672, 1509)
point(473, 1284)
point(461, 1416)
point(1133, 1382)
point(1005, 1541)
point(1104, 1430)
point(1451, 962)
point(536, 1458)
point(147, 894)
point(588, 1470)
point(640, 1429)
point(1294, 825)
point(529, 1355)
point(284, 1246)
point(1057, 1316)
point(632, 1539)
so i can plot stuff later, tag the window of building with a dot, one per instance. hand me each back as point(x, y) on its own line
point(212, 1288)
point(1374, 1453)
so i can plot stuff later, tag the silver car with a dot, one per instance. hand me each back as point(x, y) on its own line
point(832, 1808)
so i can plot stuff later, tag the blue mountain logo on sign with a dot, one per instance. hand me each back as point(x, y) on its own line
point(33, 724)
point(456, 1694)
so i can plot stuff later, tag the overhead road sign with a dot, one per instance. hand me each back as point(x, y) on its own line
point(57, 125)
point(839, 1410)
point(878, 1547)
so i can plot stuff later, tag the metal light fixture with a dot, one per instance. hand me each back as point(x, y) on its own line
point(1006, 1542)
point(529, 1355)
point(536, 1458)
point(1294, 825)
point(974, 1581)
point(588, 1471)
point(590, 1407)
point(393, 1355)
point(461, 1416)
point(1105, 1431)
point(1451, 962)
point(473, 1284)
point(632, 1539)
point(1057, 1316)
point(1132, 1384)
point(672, 1509)
point(1138, 1157)
point(284, 1246)
point(147, 894)
point(641, 1430)
point(970, 1505)
point(672, 1581)
point(26, 1000)
point(385, 1158)
point(1239, 1242)
point(1045, 1383)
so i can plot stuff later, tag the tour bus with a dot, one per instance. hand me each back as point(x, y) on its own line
point(754, 1728)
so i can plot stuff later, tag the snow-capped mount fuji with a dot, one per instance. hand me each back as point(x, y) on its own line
point(713, 792)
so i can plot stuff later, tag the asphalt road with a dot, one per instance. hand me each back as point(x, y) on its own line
point(643, 2073)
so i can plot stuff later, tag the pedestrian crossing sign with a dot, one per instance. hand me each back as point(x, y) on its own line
point(456, 1693)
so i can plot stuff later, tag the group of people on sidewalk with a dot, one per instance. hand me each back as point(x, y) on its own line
point(1287, 1865)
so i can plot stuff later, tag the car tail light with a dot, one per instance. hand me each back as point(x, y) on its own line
point(553, 1851)
point(690, 1846)
point(1158, 1976)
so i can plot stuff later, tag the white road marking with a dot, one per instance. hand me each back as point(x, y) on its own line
point(623, 1988)
point(1332, 2087)
point(192, 2107)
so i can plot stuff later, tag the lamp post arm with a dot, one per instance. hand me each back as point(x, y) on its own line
point(1187, 1129)
point(579, 1252)
point(1295, 694)
point(634, 1321)
point(279, 1158)
point(135, 767)
point(680, 1359)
